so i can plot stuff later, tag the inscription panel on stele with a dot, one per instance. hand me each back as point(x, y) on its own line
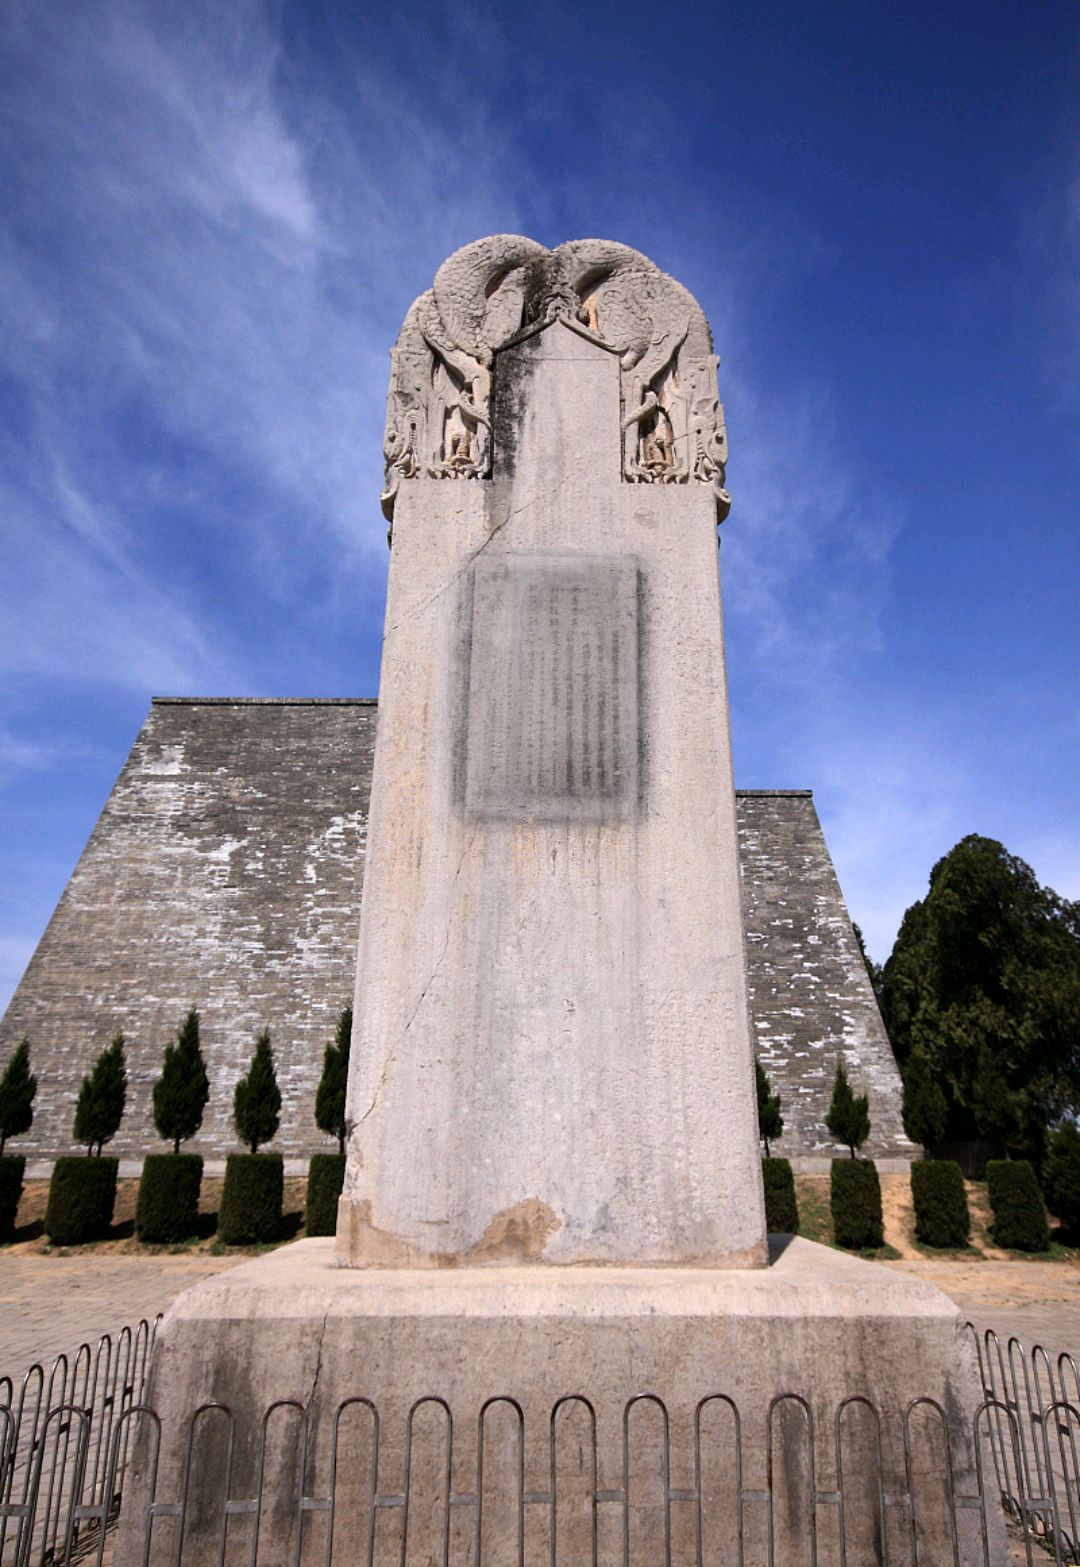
point(551, 699)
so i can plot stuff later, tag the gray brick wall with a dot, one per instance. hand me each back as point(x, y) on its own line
point(225, 872)
point(810, 996)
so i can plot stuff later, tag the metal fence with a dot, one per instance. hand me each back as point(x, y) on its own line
point(923, 1487)
point(1036, 1396)
point(64, 1436)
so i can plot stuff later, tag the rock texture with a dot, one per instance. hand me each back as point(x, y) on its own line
point(552, 1052)
point(162, 910)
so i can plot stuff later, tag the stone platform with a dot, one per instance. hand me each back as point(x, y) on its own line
point(818, 1324)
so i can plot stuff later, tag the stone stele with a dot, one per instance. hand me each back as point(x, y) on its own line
point(553, 1183)
point(551, 1054)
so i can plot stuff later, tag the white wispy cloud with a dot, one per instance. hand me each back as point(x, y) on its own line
point(189, 265)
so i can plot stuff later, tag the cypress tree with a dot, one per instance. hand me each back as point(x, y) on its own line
point(925, 1109)
point(181, 1092)
point(100, 1107)
point(330, 1094)
point(770, 1121)
point(17, 1089)
point(257, 1098)
point(849, 1116)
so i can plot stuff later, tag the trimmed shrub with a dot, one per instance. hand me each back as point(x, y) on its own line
point(82, 1194)
point(330, 1094)
point(252, 1199)
point(326, 1177)
point(1019, 1212)
point(168, 1203)
point(100, 1107)
point(855, 1201)
point(1061, 1178)
point(941, 1206)
point(781, 1208)
point(12, 1166)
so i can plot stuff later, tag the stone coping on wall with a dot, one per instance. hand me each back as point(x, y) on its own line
point(264, 701)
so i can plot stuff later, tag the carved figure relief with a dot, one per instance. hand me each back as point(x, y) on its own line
point(484, 296)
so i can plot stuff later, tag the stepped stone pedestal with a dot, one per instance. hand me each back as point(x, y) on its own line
point(553, 1197)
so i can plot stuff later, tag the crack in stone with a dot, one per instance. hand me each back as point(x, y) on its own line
point(318, 1364)
point(474, 554)
point(392, 1055)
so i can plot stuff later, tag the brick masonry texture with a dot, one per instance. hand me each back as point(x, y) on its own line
point(810, 996)
point(225, 872)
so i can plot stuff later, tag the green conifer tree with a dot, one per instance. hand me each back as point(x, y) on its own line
point(997, 1110)
point(849, 1116)
point(17, 1089)
point(257, 1098)
point(925, 1109)
point(100, 1107)
point(770, 1121)
point(984, 978)
point(330, 1094)
point(1061, 1178)
point(181, 1092)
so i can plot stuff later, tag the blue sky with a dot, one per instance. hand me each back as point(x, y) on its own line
point(216, 216)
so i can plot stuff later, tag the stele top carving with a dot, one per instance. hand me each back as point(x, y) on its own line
point(496, 290)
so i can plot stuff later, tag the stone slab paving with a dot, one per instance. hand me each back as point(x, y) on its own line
point(52, 1303)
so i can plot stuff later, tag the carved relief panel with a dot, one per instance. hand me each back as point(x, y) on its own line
point(491, 292)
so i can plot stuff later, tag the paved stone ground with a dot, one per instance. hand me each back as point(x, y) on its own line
point(1038, 1302)
point(52, 1302)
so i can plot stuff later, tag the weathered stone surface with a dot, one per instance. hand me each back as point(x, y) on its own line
point(810, 996)
point(817, 1323)
point(224, 872)
point(551, 1046)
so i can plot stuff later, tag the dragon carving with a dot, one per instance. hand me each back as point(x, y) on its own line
point(489, 293)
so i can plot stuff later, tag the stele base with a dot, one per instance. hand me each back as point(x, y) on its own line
point(294, 1326)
